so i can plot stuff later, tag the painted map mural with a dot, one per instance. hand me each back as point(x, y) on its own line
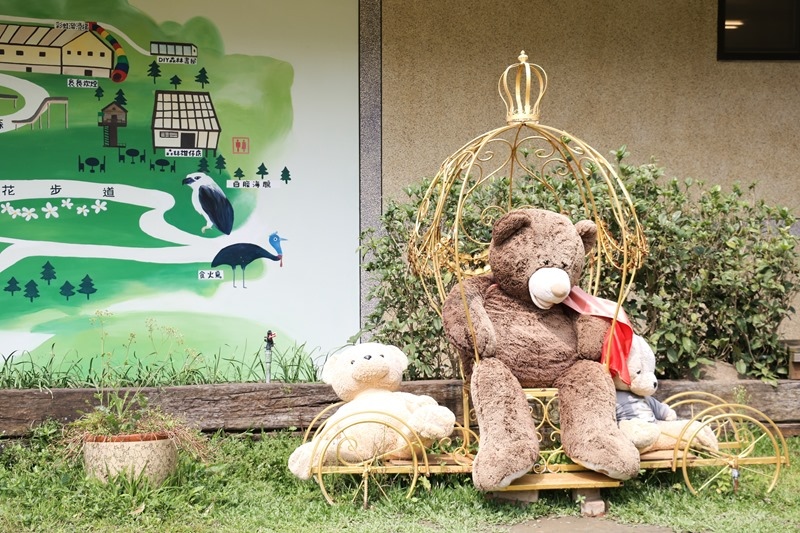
point(161, 196)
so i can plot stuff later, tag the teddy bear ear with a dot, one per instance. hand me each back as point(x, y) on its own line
point(588, 233)
point(329, 370)
point(508, 225)
point(395, 354)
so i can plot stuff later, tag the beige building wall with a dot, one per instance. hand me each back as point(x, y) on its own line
point(638, 72)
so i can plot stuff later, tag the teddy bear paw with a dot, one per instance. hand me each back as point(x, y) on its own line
point(615, 457)
point(495, 469)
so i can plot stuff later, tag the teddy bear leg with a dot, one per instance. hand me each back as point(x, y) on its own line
point(589, 430)
point(508, 446)
point(300, 461)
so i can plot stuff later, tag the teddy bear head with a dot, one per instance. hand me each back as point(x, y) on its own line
point(538, 255)
point(365, 366)
point(641, 368)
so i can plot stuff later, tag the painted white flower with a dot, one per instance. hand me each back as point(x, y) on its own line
point(66, 203)
point(50, 210)
point(99, 206)
point(82, 210)
point(6, 208)
point(29, 213)
point(16, 213)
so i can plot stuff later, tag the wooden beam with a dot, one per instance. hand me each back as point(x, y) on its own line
point(274, 406)
point(232, 406)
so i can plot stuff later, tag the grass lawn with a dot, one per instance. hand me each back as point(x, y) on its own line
point(247, 487)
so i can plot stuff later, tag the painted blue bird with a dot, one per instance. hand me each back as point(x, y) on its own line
point(210, 201)
point(243, 253)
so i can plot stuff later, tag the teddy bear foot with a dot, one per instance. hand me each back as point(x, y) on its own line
point(495, 469)
point(617, 458)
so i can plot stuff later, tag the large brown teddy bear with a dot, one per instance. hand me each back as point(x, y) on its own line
point(526, 337)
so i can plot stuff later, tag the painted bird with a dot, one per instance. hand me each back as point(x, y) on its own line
point(210, 201)
point(243, 253)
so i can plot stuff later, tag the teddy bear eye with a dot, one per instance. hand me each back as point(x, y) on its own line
point(381, 355)
point(353, 362)
point(638, 372)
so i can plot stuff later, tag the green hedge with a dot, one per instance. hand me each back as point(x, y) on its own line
point(722, 271)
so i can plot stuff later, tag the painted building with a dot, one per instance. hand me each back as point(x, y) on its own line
point(54, 50)
point(185, 119)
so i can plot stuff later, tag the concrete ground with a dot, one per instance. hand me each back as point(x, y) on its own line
point(582, 524)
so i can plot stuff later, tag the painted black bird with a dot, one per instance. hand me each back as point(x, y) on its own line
point(243, 253)
point(210, 201)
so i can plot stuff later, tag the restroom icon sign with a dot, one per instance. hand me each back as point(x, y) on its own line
point(241, 145)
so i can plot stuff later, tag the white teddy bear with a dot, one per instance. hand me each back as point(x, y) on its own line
point(376, 420)
point(650, 424)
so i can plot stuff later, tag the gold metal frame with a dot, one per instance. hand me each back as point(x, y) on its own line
point(449, 242)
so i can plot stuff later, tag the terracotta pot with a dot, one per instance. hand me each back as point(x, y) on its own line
point(153, 455)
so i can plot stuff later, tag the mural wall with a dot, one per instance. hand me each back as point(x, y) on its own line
point(176, 181)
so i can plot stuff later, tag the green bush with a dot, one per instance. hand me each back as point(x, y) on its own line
point(720, 277)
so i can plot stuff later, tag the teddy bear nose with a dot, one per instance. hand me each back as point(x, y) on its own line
point(367, 357)
point(560, 290)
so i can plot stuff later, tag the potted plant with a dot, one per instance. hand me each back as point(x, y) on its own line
point(123, 434)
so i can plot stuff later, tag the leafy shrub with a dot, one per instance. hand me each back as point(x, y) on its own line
point(720, 277)
point(402, 315)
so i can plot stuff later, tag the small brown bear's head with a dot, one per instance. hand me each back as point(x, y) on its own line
point(527, 241)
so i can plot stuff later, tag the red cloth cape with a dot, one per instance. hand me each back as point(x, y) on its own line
point(617, 343)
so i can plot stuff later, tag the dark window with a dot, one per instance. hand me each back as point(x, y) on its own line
point(89, 53)
point(69, 52)
point(758, 29)
point(2, 52)
point(19, 52)
point(41, 54)
point(79, 52)
point(102, 54)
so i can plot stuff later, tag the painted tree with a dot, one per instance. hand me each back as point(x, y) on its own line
point(48, 272)
point(99, 92)
point(175, 81)
point(154, 71)
point(67, 290)
point(31, 290)
point(202, 78)
point(220, 163)
point(120, 98)
point(12, 286)
point(202, 165)
point(285, 177)
point(262, 170)
point(87, 286)
point(238, 173)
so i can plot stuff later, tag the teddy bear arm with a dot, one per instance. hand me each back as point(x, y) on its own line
point(591, 331)
point(661, 410)
point(457, 326)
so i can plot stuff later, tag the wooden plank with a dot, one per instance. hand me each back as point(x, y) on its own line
point(273, 406)
point(565, 480)
point(233, 407)
point(778, 403)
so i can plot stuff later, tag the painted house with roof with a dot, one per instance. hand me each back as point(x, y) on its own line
point(71, 50)
point(185, 119)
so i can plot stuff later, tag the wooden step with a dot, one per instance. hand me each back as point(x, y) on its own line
point(562, 480)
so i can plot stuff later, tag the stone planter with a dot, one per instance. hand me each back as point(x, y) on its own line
point(153, 455)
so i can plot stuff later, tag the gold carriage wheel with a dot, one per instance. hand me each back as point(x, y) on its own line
point(361, 482)
point(748, 460)
point(690, 403)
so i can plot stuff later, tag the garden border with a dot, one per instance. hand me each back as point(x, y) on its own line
point(276, 406)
